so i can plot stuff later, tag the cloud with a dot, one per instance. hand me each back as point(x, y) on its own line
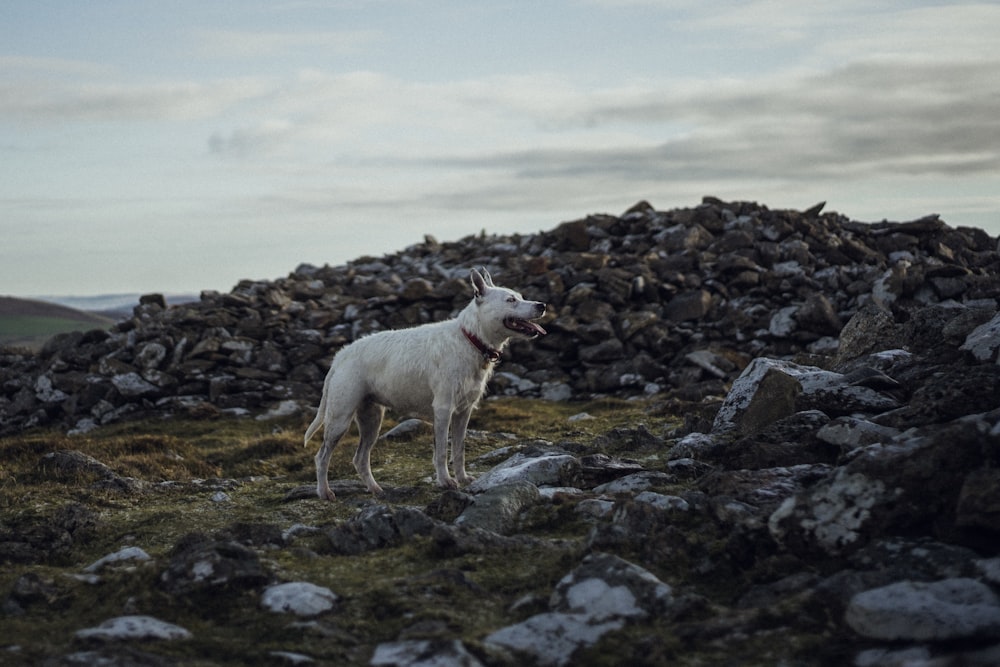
point(909, 31)
point(15, 67)
point(368, 116)
point(532, 143)
point(240, 44)
point(47, 100)
point(242, 142)
point(830, 33)
point(539, 138)
point(867, 118)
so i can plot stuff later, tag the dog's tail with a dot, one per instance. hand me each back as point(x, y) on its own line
point(318, 420)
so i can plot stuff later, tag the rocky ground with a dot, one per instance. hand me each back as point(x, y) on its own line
point(808, 476)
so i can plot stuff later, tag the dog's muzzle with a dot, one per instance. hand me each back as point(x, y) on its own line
point(526, 327)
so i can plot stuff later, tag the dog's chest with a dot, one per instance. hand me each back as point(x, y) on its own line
point(472, 390)
point(467, 387)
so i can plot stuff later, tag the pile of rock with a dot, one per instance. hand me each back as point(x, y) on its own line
point(653, 302)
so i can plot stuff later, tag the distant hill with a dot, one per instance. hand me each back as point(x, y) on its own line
point(29, 323)
point(115, 306)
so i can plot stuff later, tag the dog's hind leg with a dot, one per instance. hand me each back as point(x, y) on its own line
point(459, 424)
point(341, 399)
point(369, 422)
point(318, 420)
point(332, 433)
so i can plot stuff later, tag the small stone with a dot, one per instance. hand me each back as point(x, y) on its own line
point(292, 658)
point(553, 469)
point(298, 597)
point(926, 611)
point(126, 554)
point(783, 322)
point(557, 392)
point(884, 657)
point(639, 481)
point(132, 385)
point(831, 514)
point(851, 432)
point(423, 653)
point(605, 587)
point(406, 429)
point(46, 393)
point(710, 362)
point(83, 426)
point(689, 306)
point(498, 508)
point(984, 341)
point(595, 508)
point(134, 628)
point(663, 501)
point(283, 409)
point(551, 638)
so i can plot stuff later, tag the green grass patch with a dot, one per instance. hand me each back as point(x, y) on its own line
point(411, 591)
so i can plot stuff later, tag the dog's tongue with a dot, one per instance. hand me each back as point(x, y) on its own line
point(539, 331)
point(524, 327)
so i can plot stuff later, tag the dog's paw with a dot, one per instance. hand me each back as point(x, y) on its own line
point(375, 489)
point(326, 494)
point(465, 480)
point(447, 483)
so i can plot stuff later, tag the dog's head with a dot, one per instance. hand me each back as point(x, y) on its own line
point(500, 306)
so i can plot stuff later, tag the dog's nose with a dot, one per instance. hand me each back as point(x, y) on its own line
point(540, 307)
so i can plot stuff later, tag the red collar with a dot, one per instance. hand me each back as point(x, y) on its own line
point(489, 354)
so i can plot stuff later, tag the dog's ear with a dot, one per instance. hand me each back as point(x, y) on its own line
point(479, 283)
point(487, 277)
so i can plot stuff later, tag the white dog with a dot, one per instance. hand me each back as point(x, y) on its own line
point(437, 371)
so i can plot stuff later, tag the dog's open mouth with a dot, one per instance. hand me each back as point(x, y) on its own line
point(524, 327)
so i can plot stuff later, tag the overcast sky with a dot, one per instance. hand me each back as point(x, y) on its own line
point(180, 145)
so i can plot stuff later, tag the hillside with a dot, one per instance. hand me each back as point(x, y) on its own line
point(751, 436)
point(649, 303)
point(29, 323)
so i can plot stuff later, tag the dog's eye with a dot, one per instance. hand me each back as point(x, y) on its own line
point(511, 299)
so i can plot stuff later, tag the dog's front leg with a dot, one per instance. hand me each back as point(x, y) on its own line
point(459, 424)
point(442, 421)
